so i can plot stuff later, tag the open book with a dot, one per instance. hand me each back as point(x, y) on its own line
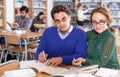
point(65, 73)
point(40, 67)
point(13, 25)
point(90, 68)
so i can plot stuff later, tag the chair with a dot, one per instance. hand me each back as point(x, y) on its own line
point(3, 47)
point(16, 46)
point(32, 48)
point(10, 65)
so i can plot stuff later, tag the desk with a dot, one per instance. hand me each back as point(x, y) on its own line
point(47, 75)
point(23, 35)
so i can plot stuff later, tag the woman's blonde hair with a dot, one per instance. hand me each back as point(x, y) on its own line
point(103, 11)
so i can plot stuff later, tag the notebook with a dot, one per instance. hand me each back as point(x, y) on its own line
point(106, 72)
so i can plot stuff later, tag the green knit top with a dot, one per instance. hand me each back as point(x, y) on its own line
point(102, 49)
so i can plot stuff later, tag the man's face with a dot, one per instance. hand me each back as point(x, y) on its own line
point(23, 13)
point(62, 21)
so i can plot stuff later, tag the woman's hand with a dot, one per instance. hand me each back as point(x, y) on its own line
point(78, 61)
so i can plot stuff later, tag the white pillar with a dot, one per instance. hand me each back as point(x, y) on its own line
point(9, 13)
point(49, 7)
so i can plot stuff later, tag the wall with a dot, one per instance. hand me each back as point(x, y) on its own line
point(50, 5)
point(9, 13)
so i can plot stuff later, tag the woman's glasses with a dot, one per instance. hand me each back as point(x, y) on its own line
point(100, 22)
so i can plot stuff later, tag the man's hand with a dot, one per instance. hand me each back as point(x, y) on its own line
point(54, 61)
point(42, 57)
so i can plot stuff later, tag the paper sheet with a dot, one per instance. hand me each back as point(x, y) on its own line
point(105, 72)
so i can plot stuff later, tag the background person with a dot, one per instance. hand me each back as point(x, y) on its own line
point(22, 21)
point(81, 15)
point(38, 22)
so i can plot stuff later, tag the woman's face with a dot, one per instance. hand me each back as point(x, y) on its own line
point(41, 16)
point(99, 22)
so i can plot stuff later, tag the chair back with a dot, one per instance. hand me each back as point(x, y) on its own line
point(12, 39)
point(10, 65)
point(15, 46)
point(41, 31)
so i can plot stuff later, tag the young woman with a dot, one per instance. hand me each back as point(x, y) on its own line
point(38, 22)
point(101, 41)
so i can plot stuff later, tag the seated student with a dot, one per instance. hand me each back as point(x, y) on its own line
point(24, 21)
point(38, 22)
point(101, 41)
point(80, 15)
point(63, 41)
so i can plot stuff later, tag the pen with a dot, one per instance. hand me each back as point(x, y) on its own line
point(44, 55)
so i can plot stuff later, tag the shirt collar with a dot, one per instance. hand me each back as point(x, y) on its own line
point(70, 29)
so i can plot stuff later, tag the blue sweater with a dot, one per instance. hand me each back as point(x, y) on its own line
point(73, 46)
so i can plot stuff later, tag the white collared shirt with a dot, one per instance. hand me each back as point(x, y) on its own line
point(66, 34)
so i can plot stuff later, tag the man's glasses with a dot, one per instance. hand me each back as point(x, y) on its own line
point(64, 19)
point(100, 22)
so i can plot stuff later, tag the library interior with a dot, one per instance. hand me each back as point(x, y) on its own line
point(59, 38)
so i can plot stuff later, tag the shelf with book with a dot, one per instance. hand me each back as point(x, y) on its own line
point(35, 6)
point(19, 3)
point(114, 7)
point(39, 5)
point(71, 5)
point(91, 3)
point(2, 13)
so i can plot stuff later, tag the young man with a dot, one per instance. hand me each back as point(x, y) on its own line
point(63, 41)
point(24, 21)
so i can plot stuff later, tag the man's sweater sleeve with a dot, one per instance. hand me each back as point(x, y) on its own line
point(42, 45)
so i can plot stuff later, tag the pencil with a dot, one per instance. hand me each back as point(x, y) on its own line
point(44, 55)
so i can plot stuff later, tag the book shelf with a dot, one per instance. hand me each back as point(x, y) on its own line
point(71, 4)
point(39, 5)
point(114, 7)
point(2, 14)
point(19, 3)
point(91, 3)
point(35, 6)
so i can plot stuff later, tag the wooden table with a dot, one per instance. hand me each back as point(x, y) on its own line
point(47, 75)
point(23, 35)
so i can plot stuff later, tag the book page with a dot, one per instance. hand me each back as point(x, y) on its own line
point(105, 72)
point(41, 67)
point(85, 75)
point(79, 69)
point(20, 73)
point(65, 73)
point(13, 24)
